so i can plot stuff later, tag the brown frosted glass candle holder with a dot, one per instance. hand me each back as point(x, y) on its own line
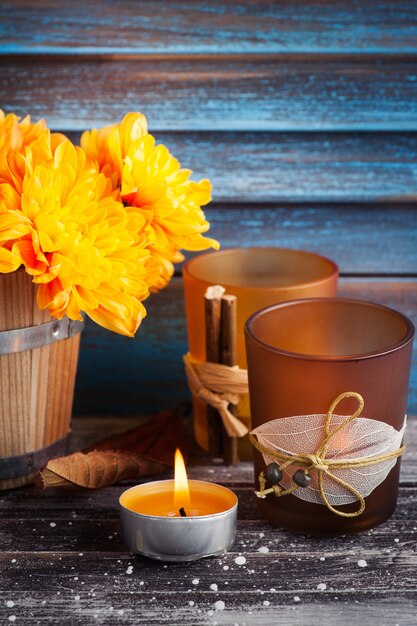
point(301, 356)
point(258, 277)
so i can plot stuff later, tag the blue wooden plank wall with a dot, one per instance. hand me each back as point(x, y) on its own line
point(303, 114)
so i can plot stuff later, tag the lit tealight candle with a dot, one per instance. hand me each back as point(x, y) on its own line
point(180, 519)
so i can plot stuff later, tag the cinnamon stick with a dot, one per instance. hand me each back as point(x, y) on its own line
point(228, 357)
point(212, 301)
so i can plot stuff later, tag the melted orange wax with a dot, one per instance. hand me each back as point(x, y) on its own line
point(160, 501)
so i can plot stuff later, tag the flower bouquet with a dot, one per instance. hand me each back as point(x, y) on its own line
point(92, 229)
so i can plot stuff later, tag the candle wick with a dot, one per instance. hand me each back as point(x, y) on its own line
point(182, 512)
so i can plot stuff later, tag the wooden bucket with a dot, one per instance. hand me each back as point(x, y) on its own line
point(38, 363)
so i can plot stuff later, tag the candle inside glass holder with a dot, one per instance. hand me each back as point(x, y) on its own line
point(301, 356)
point(258, 277)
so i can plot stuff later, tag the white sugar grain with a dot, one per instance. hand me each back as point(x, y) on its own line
point(321, 586)
point(362, 563)
point(219, 605)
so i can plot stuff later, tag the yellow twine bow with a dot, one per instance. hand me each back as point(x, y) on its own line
point(320, 463)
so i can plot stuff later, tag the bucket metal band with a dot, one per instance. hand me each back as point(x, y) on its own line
point(20, 339)
point(24, 464)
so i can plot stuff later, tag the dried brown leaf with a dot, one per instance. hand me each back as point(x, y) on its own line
point(145, 450)
point(96, 469)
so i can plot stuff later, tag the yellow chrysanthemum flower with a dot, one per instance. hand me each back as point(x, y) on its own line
point(82, 247)
point(22, 145)
point(15, 135)
point(149, 179)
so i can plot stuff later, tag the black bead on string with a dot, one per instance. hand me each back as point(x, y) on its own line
point(273, 473)
point(302, 478)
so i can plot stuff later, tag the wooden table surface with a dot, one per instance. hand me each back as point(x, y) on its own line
point(63, 561)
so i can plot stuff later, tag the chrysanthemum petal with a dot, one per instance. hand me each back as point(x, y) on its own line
point(127, 327)
point(13, 225)
point(9, 261)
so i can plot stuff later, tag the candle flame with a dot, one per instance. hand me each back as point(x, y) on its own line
point(181, 488)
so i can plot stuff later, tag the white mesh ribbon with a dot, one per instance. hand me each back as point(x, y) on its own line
point(357, 450)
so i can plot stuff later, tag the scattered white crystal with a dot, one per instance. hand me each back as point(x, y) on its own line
point(321, 586)
point(263, 549)
point(296, 599)
point(129, 569)
point(213, 587)
point(10, 604)
point(195, 581)
point(362, 563)
point(52, 524)
point(219, 605)
point(240, 560)
point(266, 603)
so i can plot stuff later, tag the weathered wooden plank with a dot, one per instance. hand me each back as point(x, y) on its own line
point(94, 526)
point(68, 509)
point(286, 571)
point(119, 375)
point(103, 605)
point(213, 26)
point(300, 167)
point(215, 93)
point(362, 239)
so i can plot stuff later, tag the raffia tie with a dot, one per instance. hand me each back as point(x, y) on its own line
point(320, 463)
point(218, 385)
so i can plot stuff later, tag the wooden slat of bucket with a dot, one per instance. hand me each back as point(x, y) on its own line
point(63, 357)
point(35, 409)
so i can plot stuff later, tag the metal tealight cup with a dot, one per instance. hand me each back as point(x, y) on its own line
point(179, 538)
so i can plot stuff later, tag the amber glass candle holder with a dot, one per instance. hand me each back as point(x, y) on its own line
point(258, 277)
point(301, 356)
